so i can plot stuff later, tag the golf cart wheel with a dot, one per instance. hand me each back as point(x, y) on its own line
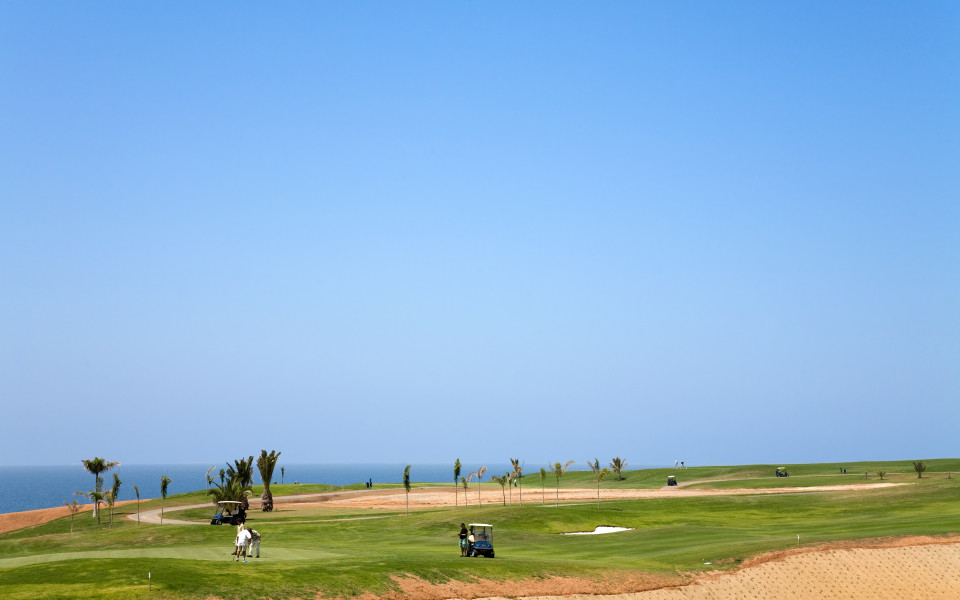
point(219, 522)
point(491, 555)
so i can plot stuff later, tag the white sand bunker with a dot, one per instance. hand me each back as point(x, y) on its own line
point(600, 529)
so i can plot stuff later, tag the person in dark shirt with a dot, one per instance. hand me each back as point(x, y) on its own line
point(463, 539)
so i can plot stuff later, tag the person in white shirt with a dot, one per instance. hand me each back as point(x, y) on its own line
point(243, 538)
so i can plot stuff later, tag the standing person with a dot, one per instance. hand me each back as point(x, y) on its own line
point(243, 537)
point(463, 539)
point(471, 539)
point(254, 542)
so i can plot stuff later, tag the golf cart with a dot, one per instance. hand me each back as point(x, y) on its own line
point(671, 480)
point(782, 472)
point(232, 510)
point(482, 540)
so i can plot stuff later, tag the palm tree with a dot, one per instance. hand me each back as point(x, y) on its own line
point(266, 463)
point(95, 496)
point(518, 475)
point(406, 485)
point(558, 471)
point(283, 470)
point(502, 480)
point(210, 479)
point(230, 491)
point(137, 492)
point(480, 473)
point(114, 494)
point(456, 477)
point(74, 508)
point(164, 482)
point(543, 482)
point(598, 475)
point(466, 484)
point(618, 465)
point(110, 499)
point(242, 472)
point(97, 465)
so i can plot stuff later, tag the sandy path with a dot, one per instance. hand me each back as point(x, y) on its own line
point(435, 497)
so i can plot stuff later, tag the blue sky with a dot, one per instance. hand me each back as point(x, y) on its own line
point(388, 232)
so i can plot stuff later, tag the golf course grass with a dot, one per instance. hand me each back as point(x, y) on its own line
point(342, 552)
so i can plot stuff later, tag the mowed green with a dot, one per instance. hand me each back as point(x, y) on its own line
point(311, 550)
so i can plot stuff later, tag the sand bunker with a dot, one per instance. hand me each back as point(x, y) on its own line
point(599, 530)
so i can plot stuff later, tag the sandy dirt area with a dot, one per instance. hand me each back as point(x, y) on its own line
point(434, 497)
point(919, 568)
point(30, 518)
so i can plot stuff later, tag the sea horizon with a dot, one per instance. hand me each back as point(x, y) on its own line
point(32, 487)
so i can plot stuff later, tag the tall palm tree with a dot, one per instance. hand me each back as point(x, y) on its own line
point(97, 465)
point(456, 477)
point(210, 479)
point(110, 499)
point(598, 475)
point(480, 473)
point(466, 483)
point(283, 471)
point(502, 480)
point(618, 465)
point(406, 485)
point(114, 494)
point(266, 463)
point(543, 485)
point(558, 471)
point(137, 492)
point(164, 482)
point(518, 475)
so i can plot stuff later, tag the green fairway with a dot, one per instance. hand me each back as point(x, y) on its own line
point(329, 550)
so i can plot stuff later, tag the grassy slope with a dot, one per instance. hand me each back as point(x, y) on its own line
point(348, 557)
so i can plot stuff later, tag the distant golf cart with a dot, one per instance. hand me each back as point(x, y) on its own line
point(671, 480)
point(482, 540)
point(228, 511)
point(782, 472)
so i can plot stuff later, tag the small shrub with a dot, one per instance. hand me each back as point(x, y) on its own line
point(881, 474)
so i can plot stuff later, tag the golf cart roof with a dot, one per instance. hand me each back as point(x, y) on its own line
point(480, 525)
point(228, 502)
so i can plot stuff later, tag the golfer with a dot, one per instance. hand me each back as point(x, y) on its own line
point(243, 538)
point(254, 542)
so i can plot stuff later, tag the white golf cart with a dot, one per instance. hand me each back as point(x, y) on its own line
point(228, 511)
point(482, 545)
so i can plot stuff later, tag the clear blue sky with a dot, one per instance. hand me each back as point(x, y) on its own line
point(393, 232)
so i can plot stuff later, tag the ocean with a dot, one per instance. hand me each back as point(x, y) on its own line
point(29, 488)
